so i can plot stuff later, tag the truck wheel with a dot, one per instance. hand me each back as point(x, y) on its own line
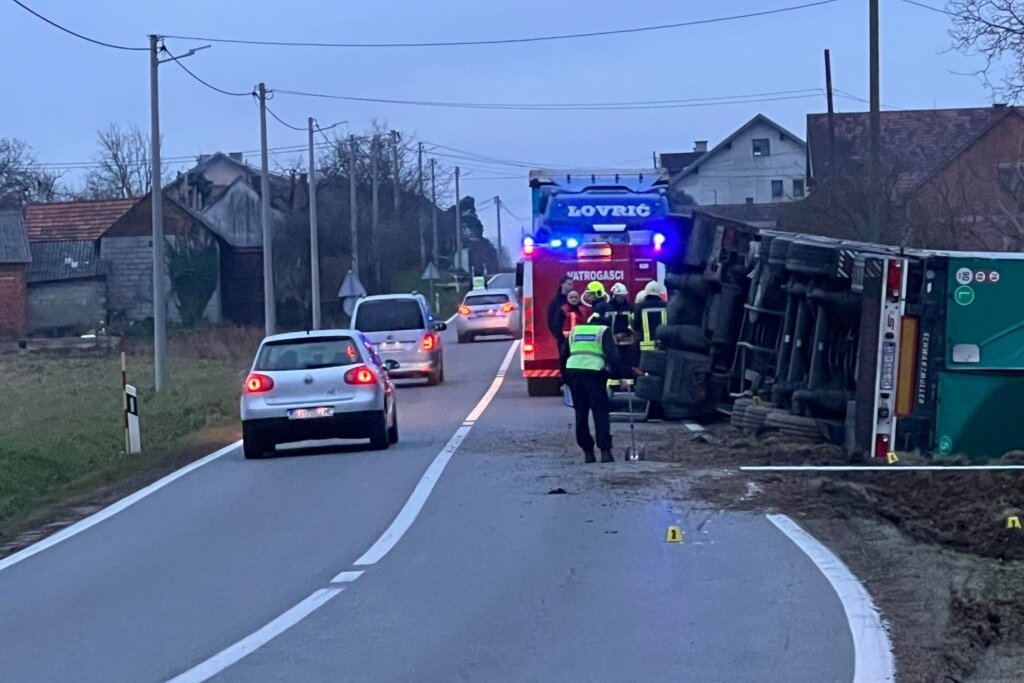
point(653, 362)
point(542, 386)
point(738, 419)
point(812, 259)
point(684, 338)
point(794, 426)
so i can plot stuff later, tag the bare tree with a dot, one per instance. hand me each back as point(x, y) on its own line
point(993, 30)
point(123, 168)
point(22, 179)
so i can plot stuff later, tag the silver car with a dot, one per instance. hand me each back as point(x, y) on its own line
point(327, 384)
point(402, 330)
point(488, 311)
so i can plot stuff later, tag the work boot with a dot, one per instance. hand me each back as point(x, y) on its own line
point(588, 457)
point(606, 455)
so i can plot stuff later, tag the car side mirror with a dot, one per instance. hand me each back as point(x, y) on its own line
point(440, 326)
point(390, 364)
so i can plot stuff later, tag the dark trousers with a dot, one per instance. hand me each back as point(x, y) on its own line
point(590, 395)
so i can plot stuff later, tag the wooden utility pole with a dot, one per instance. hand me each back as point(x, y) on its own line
point(434, 255)
point(875, 125)
point(353, 204)
point(375, 209)
point(419, 209)
point(497, 214)
point(396, 185)
point(831, 112)
point(458, 223)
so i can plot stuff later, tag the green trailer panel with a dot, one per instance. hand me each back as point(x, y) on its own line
point(985, 321)
point(980, 414)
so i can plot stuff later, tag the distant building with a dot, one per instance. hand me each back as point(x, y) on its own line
point(15, 257)
point(762, 163)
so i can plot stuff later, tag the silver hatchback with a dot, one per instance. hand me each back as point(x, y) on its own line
point(489, 311)
point(327, 384)
point(402, 330)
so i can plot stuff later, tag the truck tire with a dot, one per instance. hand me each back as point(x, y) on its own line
point(739, 410)
point(777, 251)
point(794, 426)
point(687, 379)
point(684, 338)
point(653, 362)
point(756, 416)
point(542, 386)
point(812, 259)
point(650, 387)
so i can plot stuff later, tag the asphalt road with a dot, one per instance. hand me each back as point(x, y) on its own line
point(496, 580)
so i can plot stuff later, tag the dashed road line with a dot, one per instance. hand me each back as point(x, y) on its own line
point(346, 577)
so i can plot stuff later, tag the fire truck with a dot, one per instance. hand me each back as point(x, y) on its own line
point(606, 226)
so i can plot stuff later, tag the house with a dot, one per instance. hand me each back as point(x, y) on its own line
point(761, 162)
point(99, 253)
point(952, 178)
point(67, 287)
point(15, 257)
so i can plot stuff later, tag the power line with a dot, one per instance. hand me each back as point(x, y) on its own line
point(507, 41)
point(283, 122)
point(929, 7)
point(209, 85)
point(75, 33)
point(592, 106)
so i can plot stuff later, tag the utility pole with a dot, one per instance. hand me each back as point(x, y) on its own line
point(156, 201)
point(314, 239)
point(353, 205)
point(375, 211)
point(831, 111)
point(433, 212)
point(875, 125)
point(269, 308)
point(458, 222)
point(396, 170)
point(419, 211)
point(497, 214)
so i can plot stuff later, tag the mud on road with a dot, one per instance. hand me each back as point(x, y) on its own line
point(933, 548)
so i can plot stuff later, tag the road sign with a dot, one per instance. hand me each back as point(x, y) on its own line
point(479, 282)
point(430, 272)
point(351, 287)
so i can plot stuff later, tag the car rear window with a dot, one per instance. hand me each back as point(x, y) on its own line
point(389, 315)
point(308, 354)
point(486, 299)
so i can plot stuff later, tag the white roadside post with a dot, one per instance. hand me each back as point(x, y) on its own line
point(131, 409)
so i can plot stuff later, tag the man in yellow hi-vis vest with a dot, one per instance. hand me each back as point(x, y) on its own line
point(651, 313)
point(593, 358)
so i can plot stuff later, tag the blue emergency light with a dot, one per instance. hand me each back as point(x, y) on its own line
point(658, 240)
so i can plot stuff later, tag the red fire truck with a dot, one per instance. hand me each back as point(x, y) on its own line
point(608, 226)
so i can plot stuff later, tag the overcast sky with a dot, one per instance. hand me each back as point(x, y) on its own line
point(57, 89)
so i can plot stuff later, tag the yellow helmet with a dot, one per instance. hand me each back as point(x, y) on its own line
point(596, 288)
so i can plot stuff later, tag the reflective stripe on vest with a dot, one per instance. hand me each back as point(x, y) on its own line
point(649, 343)
point(614, 318)
point(585, 349)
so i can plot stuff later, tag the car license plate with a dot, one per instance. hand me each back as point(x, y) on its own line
point(309, 413)
point(491, 312)
point(887, 382)
point(391, 346)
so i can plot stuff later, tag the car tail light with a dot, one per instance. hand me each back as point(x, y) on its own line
point(429, 341)
point(361, 376)
point(256, 383)
point(508, 308)
point(464, 310)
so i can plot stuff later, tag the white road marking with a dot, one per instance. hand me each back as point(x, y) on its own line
point(872, 650)
point(694, 427)
point(110, 510)
point(419, 496)
point(252, 642)
point(346, 577)
point(881, 469)
point(225, 658)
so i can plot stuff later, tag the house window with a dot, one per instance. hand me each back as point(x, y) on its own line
point(777, 189)
point(798, 187)
point(762, 147)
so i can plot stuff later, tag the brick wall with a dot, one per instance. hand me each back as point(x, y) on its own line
point(130, 280)
point(13, 300)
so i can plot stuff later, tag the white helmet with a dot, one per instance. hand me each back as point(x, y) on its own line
point(655, 288)
point(619, 289)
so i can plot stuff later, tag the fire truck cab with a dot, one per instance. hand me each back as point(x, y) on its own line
point(607, 226)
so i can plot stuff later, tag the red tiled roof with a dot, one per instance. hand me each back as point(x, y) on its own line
point(84, 220)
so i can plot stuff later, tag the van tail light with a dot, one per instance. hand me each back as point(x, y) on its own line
point(429, 341)
point(360, 376)
point(256, 383)
point(464, 310)
point(508, 308)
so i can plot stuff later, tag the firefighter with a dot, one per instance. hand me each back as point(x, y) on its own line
point(651, 313)
point(593, 358)
point(556, 303)
point(620, 319)
point(594, 296)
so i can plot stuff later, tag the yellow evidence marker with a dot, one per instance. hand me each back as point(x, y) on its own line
point(1013, 522)
point(892, 458)
point(674, 535)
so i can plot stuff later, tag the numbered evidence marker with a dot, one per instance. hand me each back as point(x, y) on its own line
point(674, 535)
point(892, 458)
point(1013, 522)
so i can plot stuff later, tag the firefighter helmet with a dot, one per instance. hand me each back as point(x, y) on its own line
point(619, 289)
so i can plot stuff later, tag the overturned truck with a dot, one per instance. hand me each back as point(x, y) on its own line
point(875, 347)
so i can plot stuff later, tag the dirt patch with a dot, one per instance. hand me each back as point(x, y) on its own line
point(933, 548)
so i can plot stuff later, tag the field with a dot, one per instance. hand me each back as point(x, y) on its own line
point(61, 423)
